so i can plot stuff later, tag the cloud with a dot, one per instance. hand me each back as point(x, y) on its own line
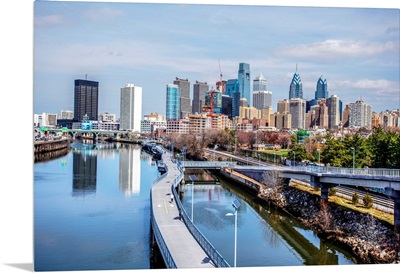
point(331, 49)
point(103, 14)
point(49, 20)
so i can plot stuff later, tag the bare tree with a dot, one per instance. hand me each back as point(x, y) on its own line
point(324, 216)
point(273, 186)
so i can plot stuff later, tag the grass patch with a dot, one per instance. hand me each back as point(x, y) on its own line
point(383, 216)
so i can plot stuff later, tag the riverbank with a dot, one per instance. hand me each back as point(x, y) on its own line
point(370, 240)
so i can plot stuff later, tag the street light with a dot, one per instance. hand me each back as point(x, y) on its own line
point(192, 178)
point(236, 205)
point(353, 156)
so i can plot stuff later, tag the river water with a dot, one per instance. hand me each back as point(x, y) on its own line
point(92, 212)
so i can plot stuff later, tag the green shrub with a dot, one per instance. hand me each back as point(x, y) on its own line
point(332, 191)
point(354, 198)
point(367, 200)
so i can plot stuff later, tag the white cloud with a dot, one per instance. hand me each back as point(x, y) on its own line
point(338, 49)
point(50, 20)
point(103, 13)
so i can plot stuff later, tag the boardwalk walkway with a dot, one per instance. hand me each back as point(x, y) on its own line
point(183, 247)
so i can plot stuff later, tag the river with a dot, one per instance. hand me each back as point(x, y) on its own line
point(92, 212)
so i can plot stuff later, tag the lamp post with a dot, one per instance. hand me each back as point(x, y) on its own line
point(192, 178)
point(294, 158)
point(352, 148)
point(235, 205)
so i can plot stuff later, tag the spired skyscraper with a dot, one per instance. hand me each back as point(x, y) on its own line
point(244, 81)
point(296, 87)
point(322, 89)
point(86, 100)
point(131, 107)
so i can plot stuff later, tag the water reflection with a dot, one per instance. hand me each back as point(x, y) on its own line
point(129, 170)
point(84, 172)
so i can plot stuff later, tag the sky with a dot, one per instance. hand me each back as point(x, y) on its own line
point(149, 44)
point(46, 46)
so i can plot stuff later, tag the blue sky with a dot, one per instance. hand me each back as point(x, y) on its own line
point(355, 49)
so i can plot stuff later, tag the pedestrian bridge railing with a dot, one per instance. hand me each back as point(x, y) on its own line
point(207, 164)
point(214, 255)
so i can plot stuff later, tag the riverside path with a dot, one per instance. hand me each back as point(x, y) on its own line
point(178, 246)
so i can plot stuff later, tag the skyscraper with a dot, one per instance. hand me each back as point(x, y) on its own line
point(233, 91)
point(297, 108)
point(86, 100)
point(333, 104)
point(130, 107)
point(261, 97)
point(244, 81)
point(322, 89)
point(173, 102)
point(360, 115)
point(184, 86)
point(199, 92)
point(296, 87)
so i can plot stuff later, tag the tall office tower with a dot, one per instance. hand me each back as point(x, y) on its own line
point(86, 100)
point(199, 92)
point(322, 89)
point(333, 104)
point(262, 98)
point(283, 106)
point(296, 87)
point(130, 107)
point(297, 108)
point(233, 91)
point(321, 114)
point(184, 85)
point(244, 81)
point(173, 102)
point(227, 106)
point(360, 115)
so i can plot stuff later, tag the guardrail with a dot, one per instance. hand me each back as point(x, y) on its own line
point(214, 255)
point(331, 170)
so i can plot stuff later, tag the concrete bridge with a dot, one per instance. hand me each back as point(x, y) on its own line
point(322, 177)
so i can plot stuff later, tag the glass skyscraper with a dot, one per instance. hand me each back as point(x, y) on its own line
point(184, 86)
point(86, 100)
point(232, 90)
point(173, 102)
point(261, 97)
point(322, 89)
point(296, 87)
point(244, 81)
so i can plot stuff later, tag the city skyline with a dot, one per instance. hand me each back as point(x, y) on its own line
point(192, 41)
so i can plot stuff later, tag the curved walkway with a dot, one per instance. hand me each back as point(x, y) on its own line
point(183, 248)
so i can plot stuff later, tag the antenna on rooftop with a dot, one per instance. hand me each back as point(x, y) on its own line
point(85, 77)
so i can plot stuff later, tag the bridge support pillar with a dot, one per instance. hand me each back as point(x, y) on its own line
point(396, 200)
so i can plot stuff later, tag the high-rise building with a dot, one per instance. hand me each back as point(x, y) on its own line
point(296, 87)
point(184, 86)
point(86, 100)
point(233, 91)
point(262, 98)
point(217, 97)
point(360, 115)
point(131, 107)
point(173, 109)
point(297, 108)
point(227, 106)
point(333, 104)
point(283, 106)
point(199, 92)
point(244, 81)
point(322, 89)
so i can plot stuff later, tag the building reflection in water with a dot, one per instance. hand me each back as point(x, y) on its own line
point(84, 172)
point(129, 170)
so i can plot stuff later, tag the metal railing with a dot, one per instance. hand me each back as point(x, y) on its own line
point(214, 255)
point(209, 164)
point(394, 173)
